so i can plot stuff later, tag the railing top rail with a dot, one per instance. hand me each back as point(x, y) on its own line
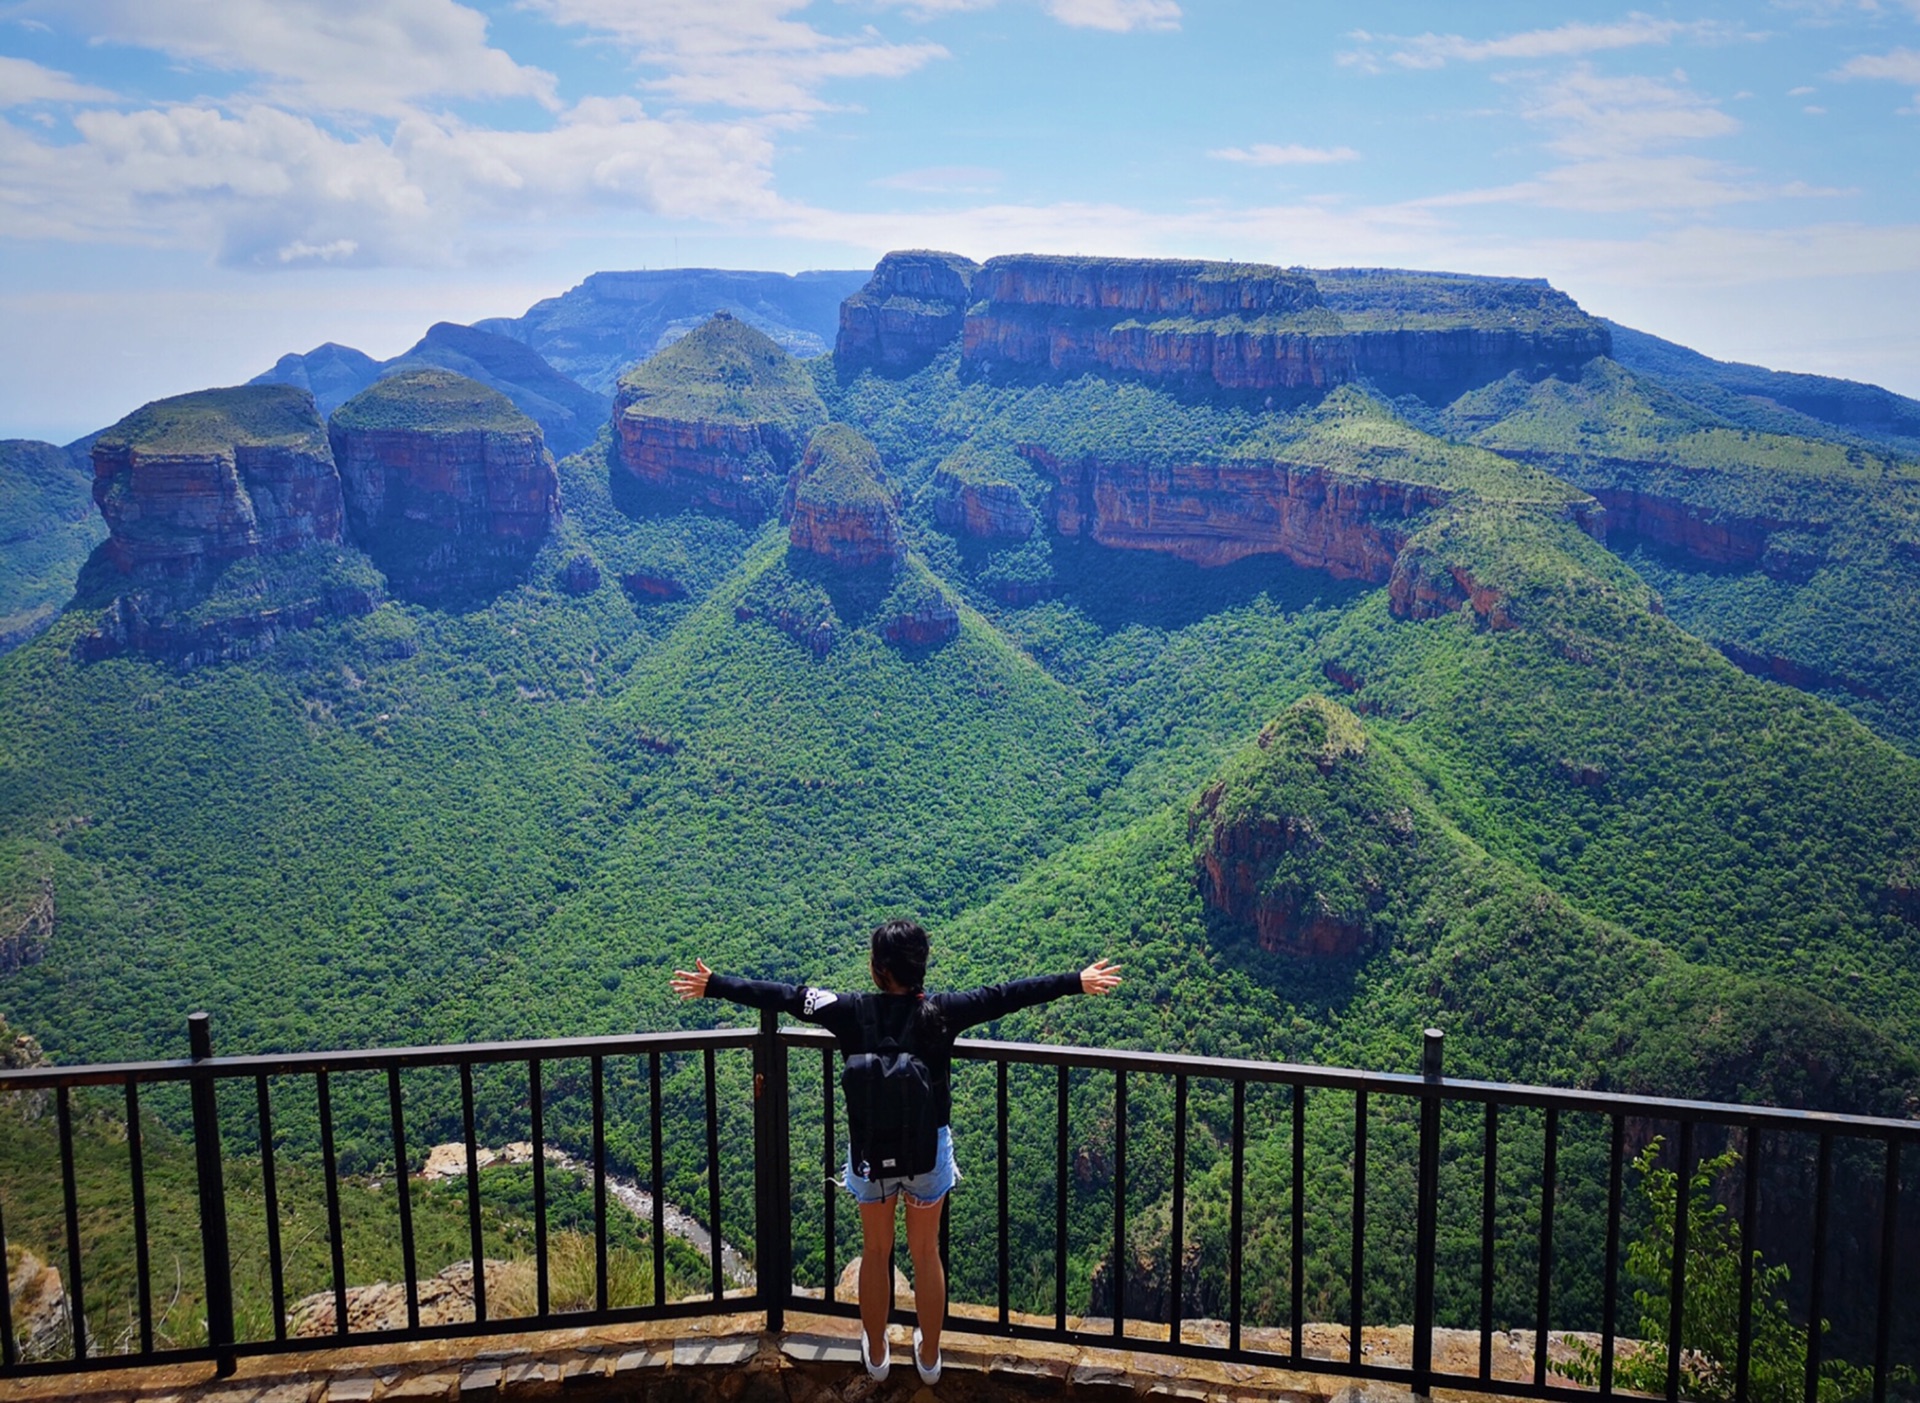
point(1406, 1084)
point(374, 1058)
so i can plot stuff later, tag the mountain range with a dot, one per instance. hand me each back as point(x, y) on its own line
point(1346, 651)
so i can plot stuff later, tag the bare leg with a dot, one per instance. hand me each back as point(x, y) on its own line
point(929, 1274)
point(876, 1273)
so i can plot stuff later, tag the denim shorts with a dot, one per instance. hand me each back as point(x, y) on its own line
point(921, 1190)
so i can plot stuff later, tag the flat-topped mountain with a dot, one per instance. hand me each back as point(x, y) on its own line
point(203, 479)
point(448, 486)
point(1245, 329)
point(720, 417)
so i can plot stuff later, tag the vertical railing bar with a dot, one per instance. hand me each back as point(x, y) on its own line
point(1817, 1283)
point(270, 1187)
point(1060, 1201)
point(1000, 1155)
point(474, 1236)
point(659, 1186)
point(9, 1353)
point(1610, 1285)
point(1357, 1286)
point(330, 1173)
point(1427, 1229)
point(1889, 1244)
point(1749, 1221)
point(1177, 1250)
point(137, 1178)
point(537, 1128)
point(1543, 1295)
point(1296, 1305)
point(1236, 1213)
point(1489, 1194)
point(403, 1186)
point(76, 1296)
point(1677, 1279)
point(597, 1095)
point(713, 1173)
point(828, 1168)
point(1119, 1272)
point(210, 1178)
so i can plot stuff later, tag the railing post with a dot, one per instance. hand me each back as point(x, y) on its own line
point(773, 1212)
point(1428, 1212)
point(213, 1198)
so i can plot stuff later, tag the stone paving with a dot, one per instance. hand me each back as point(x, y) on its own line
point(815, 1360)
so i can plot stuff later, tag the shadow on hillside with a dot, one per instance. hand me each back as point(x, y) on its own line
point(1120, 588)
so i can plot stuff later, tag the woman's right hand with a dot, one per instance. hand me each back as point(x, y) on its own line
point(692, 984)
point(1100, 977)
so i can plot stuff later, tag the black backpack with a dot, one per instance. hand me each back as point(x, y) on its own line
point(889, 1094)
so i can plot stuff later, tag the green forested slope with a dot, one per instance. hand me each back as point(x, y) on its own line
point(47, 526)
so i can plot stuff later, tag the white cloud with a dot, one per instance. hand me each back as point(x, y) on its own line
point(1263, 154)
point(1569, 40)
point(1901, 66)
point(745, 54)
point(271, 189)
point(354, 56)
point(1116, 16)
point(1598, 116)
point(23, 81)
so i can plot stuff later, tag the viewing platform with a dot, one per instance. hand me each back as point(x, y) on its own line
point(1190, 1228)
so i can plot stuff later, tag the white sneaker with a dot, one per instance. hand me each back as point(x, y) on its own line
point(929, 1373)
point(876, 1372)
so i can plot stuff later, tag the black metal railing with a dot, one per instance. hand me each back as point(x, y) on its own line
point(1870, 1263)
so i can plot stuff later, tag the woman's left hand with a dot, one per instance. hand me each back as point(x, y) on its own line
point(1100, 977)
point(692, 984)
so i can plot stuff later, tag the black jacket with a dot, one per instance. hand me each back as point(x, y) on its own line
point(839, 1014)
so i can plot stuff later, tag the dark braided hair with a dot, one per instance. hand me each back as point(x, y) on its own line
point(900, 949)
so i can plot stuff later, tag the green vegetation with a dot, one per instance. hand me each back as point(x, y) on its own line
point(1710, 1333)
point(1565, 828)
point(1801, 573)
point(48, 526)
point(842, 467)
point(1394, 299)
point(724, 371)
point(432, 401)
point(217, 421)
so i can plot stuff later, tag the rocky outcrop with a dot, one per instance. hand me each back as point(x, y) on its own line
point(907, 313)
point(842, 510)
point(924, 622)
point(446, 1298)
point(717, 420)
point(580, 575)
point(148, 625)
point(1252, 329)
point(1713, 538)
point(1300, 842)
point(1423, 586)
point(986, 511)
point(655, 585)
point(1217, 513)
point(31, 930)
point(193, 483)
point(37, 1299)
point(448, 487)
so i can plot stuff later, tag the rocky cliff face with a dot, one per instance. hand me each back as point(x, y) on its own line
point(717, 419)
point(1423, 586)
point(1244, 329)
point(842, 510)
point(198, 481)
point(1216, 513)
point(448, 487)
point(909, 310)
point(1265, 833)
point(28, 930)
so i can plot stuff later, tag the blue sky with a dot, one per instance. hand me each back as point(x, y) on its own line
point(189, 188)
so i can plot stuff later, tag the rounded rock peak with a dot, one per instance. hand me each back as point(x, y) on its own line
point(431, 400)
